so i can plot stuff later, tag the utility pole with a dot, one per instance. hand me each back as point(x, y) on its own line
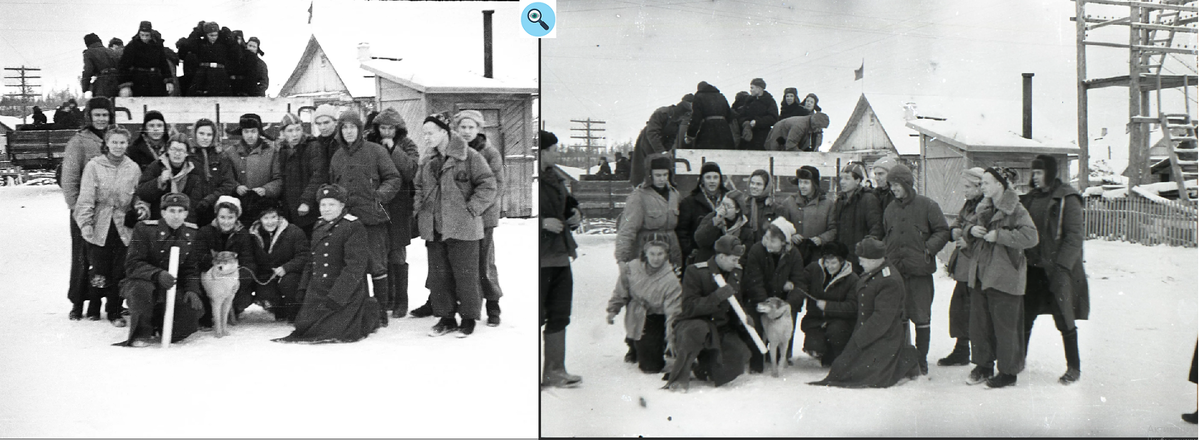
point(587, 127)
point(25, 89)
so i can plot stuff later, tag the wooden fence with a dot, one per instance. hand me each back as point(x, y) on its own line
point(1140, 220)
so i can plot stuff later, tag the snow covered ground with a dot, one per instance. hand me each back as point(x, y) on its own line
point(1136, 351)
point(60, 378)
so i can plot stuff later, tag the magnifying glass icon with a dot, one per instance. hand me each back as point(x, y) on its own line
point(535, 16)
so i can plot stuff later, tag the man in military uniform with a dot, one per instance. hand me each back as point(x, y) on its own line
point(147, 276)
point(708, 331)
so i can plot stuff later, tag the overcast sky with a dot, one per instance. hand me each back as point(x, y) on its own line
point(49, 33)
point(619, 60)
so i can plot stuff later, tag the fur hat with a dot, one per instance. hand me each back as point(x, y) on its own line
point(116, 41)
point(870, 248)
point(91, 38)
point(289, 119)
point(256, 40)
point(98, 102)
point(237, 204)
point(902, 176)
point(729, 245)
point(325, 110)
point(1048, 164)
point(855, 169)
point(175, 199)
point(973, 175)
point(709, 167)
point(211, 27)
point(758, 82)
point(440, 120)
point(784, 227)
point(793, 91)
point(816, 108)
point(250, 120)
point(688, 98)
point(473, 115)
point(885, 162)
point(660, 163)
point(152, 115)
point(546, 139)
point(332, 191)
point(145, 26)
point(389, 116)
point(810, 173)
point(834, 249)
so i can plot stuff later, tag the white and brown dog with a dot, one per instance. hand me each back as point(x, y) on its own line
point(776, 315)
point(221, 283)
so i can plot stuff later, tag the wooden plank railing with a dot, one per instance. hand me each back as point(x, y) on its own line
point(1139, 220)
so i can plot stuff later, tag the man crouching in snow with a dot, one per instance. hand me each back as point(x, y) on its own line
point(147, 276)
point(707, 328)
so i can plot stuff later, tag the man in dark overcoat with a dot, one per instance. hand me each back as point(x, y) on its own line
point(1056, 284)
point(144, 68)
point(661, 134)
point(708, 331)
point(215, 55)
point(708, 128)
point(148, 277)
point(557, 213)
point(101, 63)
point(759, 115)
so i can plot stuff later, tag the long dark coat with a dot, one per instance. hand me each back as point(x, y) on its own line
point(304, 170)
point(150, 254)
point(555, 201)
point(915, 231)
point(691, 209)
point(660, 135)
point(858, 216)
point(100, 62)
point(367, 171)
point(218, 179)
point(710, 120)
point(841, 301)
point(205, 80)
point(765, 112)
point(336, 306)
point(878, 354)
point(1058, 214)
point(764, 276)
point(405, 155)
point(139, 55)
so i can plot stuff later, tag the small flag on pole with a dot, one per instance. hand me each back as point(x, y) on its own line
point(858, 73)
point(310, 6)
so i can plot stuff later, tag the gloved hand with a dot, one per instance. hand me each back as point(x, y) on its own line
point(165, 280)
point(193, 300)
point(611, 318)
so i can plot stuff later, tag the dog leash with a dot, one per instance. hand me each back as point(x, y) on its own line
point(261, 283)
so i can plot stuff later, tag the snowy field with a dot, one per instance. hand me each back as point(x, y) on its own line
point(1136, 350)
point(61, 378)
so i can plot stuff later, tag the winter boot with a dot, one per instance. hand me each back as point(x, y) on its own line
point(76, 311)
point(493, 312)
point(554, 370)
point(382, 295)
point(1002, 380)
point(631, 355)
point(444, 326)
point(923, 348)
point(399, 285)
point(960, 356)
point(1190, 418)
point(93, 310)
point(981, 374)
point(1071, 347)
point(424, 311)
point(466, 328)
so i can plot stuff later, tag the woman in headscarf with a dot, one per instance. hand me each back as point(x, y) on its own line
point(214, 169)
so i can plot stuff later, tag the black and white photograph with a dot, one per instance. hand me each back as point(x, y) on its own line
point(828, 218)
point(267, 218)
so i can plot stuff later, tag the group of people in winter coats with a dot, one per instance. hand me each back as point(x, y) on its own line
point(706, 120)
point(216, 62)
point(308, 217)
point(859, 265)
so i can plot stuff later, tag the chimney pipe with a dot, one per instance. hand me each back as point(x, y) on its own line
point(1027, 105)
point(487, 44)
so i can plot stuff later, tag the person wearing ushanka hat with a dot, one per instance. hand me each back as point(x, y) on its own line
point(101, 63)
point(790, 105)
point(1057, 283)
point(337, 306)
point(151, 143)
point(916, 231)
point(880, 170)
point(878, 354)
point(215, 54)
point(858, 212)
point(256, 168)
point(84, 145)
point(455, 187)
point(707, 330)
point(707, 195)
point(811, 212)
point(254, 69)
point(367, 171)
point(663, 132)
point(651, 209)
point(468, 124)
point(303, 169)
point(391, 132)
point(827, 288)
point(960, 300)
point(558, 212)
point(143, 67)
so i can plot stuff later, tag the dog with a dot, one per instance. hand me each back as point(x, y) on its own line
point(776, 315)
point(221, 282)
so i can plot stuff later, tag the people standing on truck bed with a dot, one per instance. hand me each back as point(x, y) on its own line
point(216, 169)
point(83, 146)
point(172, 63)
point(254, 69)
point(152, 141)
point(101, 63)
point(760, 113)
point(144, 69)
point(660, 135)
point(709, 125)
point(117, 45)
point(256, 168)
point(213, 52)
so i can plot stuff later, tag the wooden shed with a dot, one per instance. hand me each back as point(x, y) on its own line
point(332, 75)
point(866, 134)
point(417, 91)
point(948, 148)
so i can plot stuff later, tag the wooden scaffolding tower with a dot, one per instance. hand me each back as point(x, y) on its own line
point(1158, 30)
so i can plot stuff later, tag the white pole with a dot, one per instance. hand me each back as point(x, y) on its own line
point(169, 316)
point(737, 308)
point(370, 286)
